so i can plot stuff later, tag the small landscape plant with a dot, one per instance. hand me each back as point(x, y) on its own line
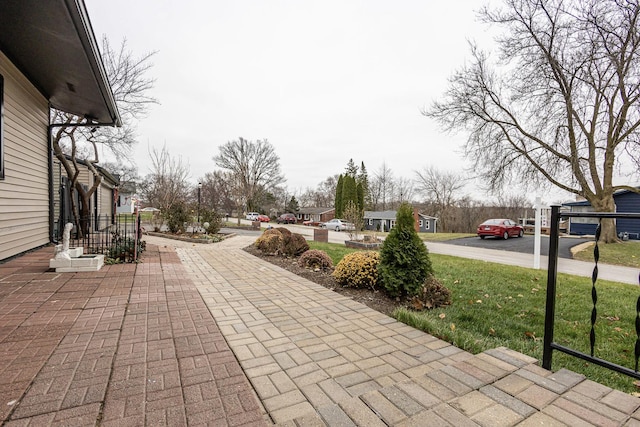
point(315, 259)
point(213, 218)
point(176, 216)
point(404, 259)
point(432, 295)
point(358, 270)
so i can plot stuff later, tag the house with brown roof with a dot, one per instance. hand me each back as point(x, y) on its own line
point(49, 58)
point(315, 216)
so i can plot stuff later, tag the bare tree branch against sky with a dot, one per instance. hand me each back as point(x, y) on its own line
point(322, 81)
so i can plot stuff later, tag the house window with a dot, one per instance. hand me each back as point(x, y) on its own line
point(421, 224)
point(426, 225)
point(370, 221)
point(392, 223)
point(1, 127)
point(581, 209)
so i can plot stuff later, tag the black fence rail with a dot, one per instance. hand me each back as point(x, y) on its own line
point(549, 344)
point(117, 237)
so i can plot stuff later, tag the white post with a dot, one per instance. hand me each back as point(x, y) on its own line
point(537, 233)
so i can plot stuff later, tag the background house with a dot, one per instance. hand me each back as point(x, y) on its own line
point(126, 200)
point(48, 58)
point(386, 220)
point(316, 215)
point(625, 200)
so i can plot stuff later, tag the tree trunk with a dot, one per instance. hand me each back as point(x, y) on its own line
point(85, 213)
point(608, 233)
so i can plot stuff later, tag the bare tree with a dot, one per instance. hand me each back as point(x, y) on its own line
point(442, 189)
point(326, 191)
point(403, 191)
point(75, 140)
point(562, 102)
point(125, 172)
point(215, 193)
point(381, 188)
point(255, 168)
point(167, 183)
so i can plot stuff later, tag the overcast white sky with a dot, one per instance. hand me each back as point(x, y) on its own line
point(323, 81)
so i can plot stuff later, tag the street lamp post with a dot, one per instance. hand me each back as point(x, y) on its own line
point(199, 187)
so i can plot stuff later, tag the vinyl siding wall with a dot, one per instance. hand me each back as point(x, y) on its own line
point(105, 198)
point(24, 193)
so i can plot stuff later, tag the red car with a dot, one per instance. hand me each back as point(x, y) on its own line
point(500, 228)
point(263, 218)
point(287, 218)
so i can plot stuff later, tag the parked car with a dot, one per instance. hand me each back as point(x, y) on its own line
point(338, 225)
point(287, 218)
point(263, 218)
point(252, 216)
point(500, 228)
point(311, 223)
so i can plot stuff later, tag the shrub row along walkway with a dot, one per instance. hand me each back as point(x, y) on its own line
point(193, 334)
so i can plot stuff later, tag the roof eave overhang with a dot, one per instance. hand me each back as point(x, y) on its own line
point(53, 44)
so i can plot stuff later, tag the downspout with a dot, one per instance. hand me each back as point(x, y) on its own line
point(52, 238)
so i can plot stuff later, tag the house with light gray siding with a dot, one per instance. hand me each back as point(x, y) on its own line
point(48, 59)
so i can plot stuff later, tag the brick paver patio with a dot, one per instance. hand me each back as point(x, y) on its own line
point(208, 334)
point(128, 345)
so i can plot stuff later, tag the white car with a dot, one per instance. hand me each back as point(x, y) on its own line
point(252, 216)
point(338, 225)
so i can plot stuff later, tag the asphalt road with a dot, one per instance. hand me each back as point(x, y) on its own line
point(515, 244)
point(521, 244)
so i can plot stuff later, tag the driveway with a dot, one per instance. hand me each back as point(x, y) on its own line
point(522, 245)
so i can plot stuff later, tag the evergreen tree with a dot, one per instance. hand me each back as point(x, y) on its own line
point(360, 196)
point(363, 180)
point(338, 201)
point(293, 205)
point(349, 192)
point(351, 169)
point(404, 258)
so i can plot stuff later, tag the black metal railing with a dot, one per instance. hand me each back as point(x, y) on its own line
point(549, 344)
point(117, 237)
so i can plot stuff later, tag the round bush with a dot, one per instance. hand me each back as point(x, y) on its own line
point(315, 258)
point(358, 270)
point(432, 295)
point(294, 244)
point(270, 242)
point(284, 231)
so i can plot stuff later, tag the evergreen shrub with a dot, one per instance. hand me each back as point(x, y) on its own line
point(404, 259)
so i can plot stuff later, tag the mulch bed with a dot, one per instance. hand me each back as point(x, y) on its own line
point(376, 300)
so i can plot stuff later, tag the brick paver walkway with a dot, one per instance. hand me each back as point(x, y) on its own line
point(130, 345)
point(208, 334)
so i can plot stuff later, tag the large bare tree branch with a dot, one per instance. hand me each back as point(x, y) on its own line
point(561, 104)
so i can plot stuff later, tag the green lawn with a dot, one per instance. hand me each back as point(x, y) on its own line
point(625, 253)
point(499, 305)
